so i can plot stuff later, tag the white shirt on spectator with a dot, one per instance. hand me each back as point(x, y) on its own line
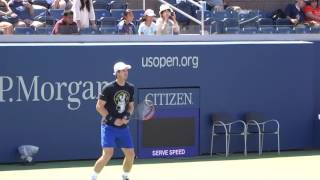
point(83, 15)
point(147, 30)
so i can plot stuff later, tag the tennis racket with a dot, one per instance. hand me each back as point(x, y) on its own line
point(145, 110)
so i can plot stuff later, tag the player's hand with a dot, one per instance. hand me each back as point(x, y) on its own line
point(125, 121)
point(118, 122)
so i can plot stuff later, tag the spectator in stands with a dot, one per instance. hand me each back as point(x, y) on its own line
point(216, 5)
point(312, 12)
point(50, 4)
point(167, 23)
point(7, 18)
point(294, 12)
point(148, 27)
point(126, 25)
point(24, 11)
point(66, 25)
point(83, 14)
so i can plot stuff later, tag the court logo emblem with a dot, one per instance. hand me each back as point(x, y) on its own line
point(121, 99)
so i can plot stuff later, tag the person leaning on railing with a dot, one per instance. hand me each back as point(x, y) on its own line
point(167, 23)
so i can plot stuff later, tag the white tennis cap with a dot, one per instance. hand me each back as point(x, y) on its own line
point(164, 7)
point(149, 12)
point(120, 66)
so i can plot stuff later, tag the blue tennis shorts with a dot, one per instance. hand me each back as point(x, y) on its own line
point(115, 137)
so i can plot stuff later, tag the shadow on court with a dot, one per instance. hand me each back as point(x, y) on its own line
point(203, 158)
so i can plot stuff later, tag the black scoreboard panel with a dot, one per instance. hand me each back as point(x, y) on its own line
point(169, 132)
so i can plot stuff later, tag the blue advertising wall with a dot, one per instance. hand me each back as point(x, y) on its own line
point(48, 92)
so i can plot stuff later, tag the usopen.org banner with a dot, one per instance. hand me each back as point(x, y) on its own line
point(18, 89)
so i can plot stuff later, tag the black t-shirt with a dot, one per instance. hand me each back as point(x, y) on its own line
point(117, 98)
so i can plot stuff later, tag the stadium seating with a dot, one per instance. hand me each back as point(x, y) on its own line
point(101, 13)
point(117, 13)
point(43, 30)
point(24, 30)
point(56, 14)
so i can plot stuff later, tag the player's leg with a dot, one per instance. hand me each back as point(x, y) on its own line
point(107, 154)
point(108, 144)
point(128, 159)
point(126, 144)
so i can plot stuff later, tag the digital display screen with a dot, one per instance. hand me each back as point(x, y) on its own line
point(169, 132)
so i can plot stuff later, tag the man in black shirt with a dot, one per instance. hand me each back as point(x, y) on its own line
point(116, 105)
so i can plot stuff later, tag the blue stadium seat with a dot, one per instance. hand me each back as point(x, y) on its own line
point(44, 30)
point(101, 4)
point(89, 31)
point(283, 22)
point(100, 13)
point(56, 14)
point(108, 21)
point(220, 15)
point(216, 27)
point(301, 29)
point(284, 30)
point(23, 30)
point(266, 29)
point(266, 26)
point(283, 26)
point(231, 26)
point(40, 12)
point(249, 30)
point(117, 13)
point(138, 14)
point(314, 30)
point(108, 30)
point(119, 4)
point(207, 14)
point(232, 14)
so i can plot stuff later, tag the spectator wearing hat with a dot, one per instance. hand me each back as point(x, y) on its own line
point(294, 12)
point(312, 12)
point(167, 23)
point(126, 25)
point(66, 25)
point(147, 26)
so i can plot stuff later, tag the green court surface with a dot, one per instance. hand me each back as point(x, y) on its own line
point(302, 165)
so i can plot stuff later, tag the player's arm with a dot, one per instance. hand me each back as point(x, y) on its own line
point(100, 107)
point(131, 107)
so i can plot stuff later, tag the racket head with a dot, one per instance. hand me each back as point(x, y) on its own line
point(145, 110)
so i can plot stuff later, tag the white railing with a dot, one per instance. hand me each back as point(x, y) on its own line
point(201, 5)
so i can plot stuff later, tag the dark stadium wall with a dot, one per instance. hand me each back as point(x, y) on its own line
point(48, 92)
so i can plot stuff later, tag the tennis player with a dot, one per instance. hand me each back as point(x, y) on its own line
point(116, 105)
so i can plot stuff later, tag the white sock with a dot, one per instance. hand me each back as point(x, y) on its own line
point(126, 174)
point(95, 175)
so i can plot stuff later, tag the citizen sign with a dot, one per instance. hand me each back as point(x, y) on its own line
point(18, 89)
point(170, 99)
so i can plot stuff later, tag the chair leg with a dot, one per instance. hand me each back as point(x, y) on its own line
point(229, 139)
point(260, 152)
point(226, 144)
point(262, 142)
point(278, 142)
point(245, 143)
point(211, 149)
